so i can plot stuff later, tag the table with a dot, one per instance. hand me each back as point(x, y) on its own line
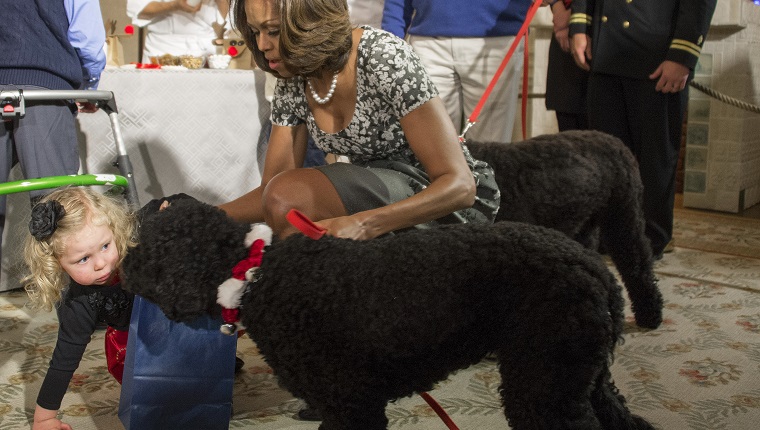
point(201, 132)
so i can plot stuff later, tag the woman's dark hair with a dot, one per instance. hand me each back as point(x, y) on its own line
point(315, 35)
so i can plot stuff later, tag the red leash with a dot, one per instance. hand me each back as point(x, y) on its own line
point(523, 30)
point(439, 410)
point(526, 66)
point(307, 227)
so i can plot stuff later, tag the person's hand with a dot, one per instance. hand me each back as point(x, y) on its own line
point(580, 47)
point(46, 419)
point(671, 77)
point(51, 424)
point(183, 6)
point(347, 227)
point(87, 107)
point(561, 21)
point(563, 37)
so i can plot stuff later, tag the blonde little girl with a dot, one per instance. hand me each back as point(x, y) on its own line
point(78, 239)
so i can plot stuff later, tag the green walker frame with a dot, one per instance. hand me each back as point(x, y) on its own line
point(13, 104)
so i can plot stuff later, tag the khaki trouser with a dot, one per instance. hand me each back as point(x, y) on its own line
point(462, 68)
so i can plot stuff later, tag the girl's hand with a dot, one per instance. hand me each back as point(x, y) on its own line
point(46, 419)
point(51, 424)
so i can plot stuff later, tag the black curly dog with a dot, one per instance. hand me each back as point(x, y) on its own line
point(585, 184)
point(404, 312)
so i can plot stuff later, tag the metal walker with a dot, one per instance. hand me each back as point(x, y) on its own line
point(13, 103)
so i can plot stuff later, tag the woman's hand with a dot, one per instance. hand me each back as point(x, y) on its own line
point(434, 141)
point(348, 227)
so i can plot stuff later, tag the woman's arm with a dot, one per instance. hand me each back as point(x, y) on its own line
point(432, 137)
point(286, 150)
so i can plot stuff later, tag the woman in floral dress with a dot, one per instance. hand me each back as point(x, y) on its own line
point(360, 93)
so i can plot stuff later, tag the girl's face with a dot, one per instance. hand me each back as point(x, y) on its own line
point(264, 20)
point(90, 255)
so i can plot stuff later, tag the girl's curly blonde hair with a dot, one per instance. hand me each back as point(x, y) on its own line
point(82, 205)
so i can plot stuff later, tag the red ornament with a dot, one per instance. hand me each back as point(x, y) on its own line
point(232, 51)
point(129, 29)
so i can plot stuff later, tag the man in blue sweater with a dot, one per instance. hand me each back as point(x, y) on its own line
point(462, 44)
point(47, 44)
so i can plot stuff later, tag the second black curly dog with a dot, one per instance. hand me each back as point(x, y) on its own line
point(350, 325)
point(585, 184)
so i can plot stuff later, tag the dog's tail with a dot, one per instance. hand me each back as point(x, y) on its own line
point(587, 185)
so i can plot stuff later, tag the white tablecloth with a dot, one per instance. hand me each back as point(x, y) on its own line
point(192, 131)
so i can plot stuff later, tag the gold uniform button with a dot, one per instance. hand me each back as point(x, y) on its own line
point(629, 1)
point(699, 41)
point(604, 19)
point(626, 24)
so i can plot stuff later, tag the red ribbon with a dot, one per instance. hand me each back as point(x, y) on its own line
point(230, 315)
point(255, 254)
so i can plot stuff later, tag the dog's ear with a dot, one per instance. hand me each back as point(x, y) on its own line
point(184, 253)
point(154, 205)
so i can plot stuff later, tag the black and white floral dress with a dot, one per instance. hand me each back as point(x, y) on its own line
point(391, 82)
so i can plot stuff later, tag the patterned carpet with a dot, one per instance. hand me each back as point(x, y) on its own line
point(700, 370)
point(707, 231)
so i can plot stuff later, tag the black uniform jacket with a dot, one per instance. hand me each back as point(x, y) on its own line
point(630, 38)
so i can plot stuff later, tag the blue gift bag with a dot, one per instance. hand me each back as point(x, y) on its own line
point(176, 375)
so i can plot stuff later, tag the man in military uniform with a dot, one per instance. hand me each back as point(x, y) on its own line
point(641, 54)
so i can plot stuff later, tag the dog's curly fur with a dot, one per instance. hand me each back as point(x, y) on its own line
point(585, 184)
point(350, 325)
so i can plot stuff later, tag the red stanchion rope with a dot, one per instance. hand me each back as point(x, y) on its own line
point(523, 30)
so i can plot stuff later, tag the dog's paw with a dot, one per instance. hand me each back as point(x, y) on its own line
point(649, 318)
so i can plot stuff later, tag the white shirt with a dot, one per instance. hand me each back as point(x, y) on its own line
point(366, 12)
point(177, 33)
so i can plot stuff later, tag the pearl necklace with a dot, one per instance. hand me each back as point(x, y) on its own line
point(330, 92)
